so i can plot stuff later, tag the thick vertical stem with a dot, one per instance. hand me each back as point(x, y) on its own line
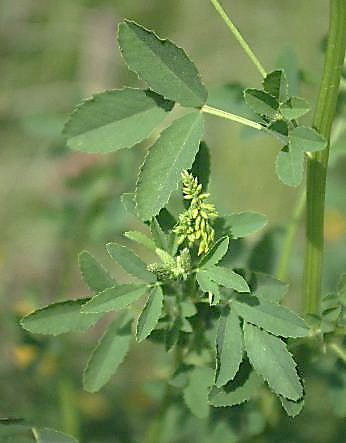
point(318, 162)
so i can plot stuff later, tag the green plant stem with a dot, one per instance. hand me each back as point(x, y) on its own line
point(239, 37)
point(282, 267)
point(234, 117)
point(338, 350)
point(68, 409)
point(318, 161)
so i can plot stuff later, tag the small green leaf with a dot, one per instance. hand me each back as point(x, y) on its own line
point(241, 389)
point(275, 83)
point(173, 152)
point(43, 435)
point(245, 223)
point(196, 392)
point(208, 285)
point(227, 278)
point(142, 239)
point(115, 119)
point(268, 288)
point(294, 108)
point(270, 359)
point(306, 140)
point(129, 261)
point(264, 104)
point(292, 408)
point(215, 254)
point(59, 318)
point(115, 298)
point(289, 63)
point(165, 67)
point(276, 319)
point(107, 356)
point(188, 308)
point(93, 273)
point(289, 166)
point(201, 166)
point(160, 238)
point(150, 314)
point(229, 348)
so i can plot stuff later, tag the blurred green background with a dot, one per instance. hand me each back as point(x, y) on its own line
point(55, 203)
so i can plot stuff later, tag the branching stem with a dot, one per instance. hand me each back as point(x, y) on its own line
point(234, 117)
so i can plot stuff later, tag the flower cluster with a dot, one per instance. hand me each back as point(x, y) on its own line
point(171, 268)
point(194, 222)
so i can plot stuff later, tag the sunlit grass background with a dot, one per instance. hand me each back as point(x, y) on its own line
point(55, 202)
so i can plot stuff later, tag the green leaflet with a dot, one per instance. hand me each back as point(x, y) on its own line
point(229, 348)
point(292, 408)
point(165, 67)
point(241, 389)
point(196, 392)
point(115, 119)
point(288, 62)
point(150, 314)
point(215, 254)
point(264, 104)
point(208, 285)
point(129, 261)
point(270, 359)
point(112, 299)
point(274, 318)
point(142, 239)
point(294, 108)
point(289, 166)
point(245, 223)
point(43, 435)
point(173, 152)
point(201, 166)
point(226, 277)
point(59, 318)
point(160, 238)
point(107, 356)
point(93, 273)
point(268, 288)
point(18, 431)
point(306, 140)
point(275, 83)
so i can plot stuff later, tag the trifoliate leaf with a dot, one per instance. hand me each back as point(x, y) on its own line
point(274, 318)
point(129, 261)
point(270, 358)
point(150, 314)
point(289, 166)
point(245, 223)
point(115, 119)
point(229, 348)
point(294, 108)
point(59, 318)
point(142, 239)
point(306, 140)
point(226, 277)
point(264, 104)
point(108, 355)
point(275, 83)
point(196, 392)
point(173, 152)
point(115, 298)
point(93, 273)
point(216, 252)
point(165, 67)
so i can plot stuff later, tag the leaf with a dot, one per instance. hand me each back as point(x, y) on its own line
point(245, 223)
point(268, 288)
point(46, 435)
point(188, 308)
point(129, 261)
point(292, 408)
point(229, 348)
point(294, 108)
point(107, 356)
point(270, 359)
point(112, 299)
point(196, 392)
point(201, 166)
point(142, 239)
point(59, 318)
point(150, 314)
point(288, 61)
point(173, 152)
point(115, 119)
point(306, 140)
point(93, 273)
point(275, 83)
point(264, 104)
point(227, 278)
point(289, 166)
point(208, 285)
point(160, 238)
point(241, 389)
point(276, 319)
point(215, 254)
point(165, 67)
